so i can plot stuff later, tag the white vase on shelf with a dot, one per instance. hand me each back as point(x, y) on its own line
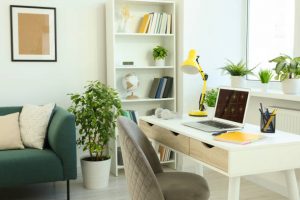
point(264, 87)
point(160, 62)
point(238, 81)
point(291, 86)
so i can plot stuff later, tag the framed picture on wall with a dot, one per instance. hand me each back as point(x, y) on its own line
point(33, 34)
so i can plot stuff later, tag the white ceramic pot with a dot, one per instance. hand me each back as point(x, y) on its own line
point(95, 173)
point(264, 87)
point(291, 86)
point(238, 81)
point(210, 111)
point(160, 62)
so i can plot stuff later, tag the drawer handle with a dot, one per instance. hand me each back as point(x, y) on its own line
point(208, 145)
point(149, 124)
point(174, 133)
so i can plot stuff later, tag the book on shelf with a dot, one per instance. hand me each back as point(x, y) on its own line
point(165, 153)
point(161, 87)
point(156, 23)
point(131, 114)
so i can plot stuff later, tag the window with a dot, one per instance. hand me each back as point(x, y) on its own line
point(270, 32)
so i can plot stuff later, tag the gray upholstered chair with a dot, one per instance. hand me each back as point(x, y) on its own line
point(145, 177)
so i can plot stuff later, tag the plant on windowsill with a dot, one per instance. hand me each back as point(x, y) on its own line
point(238, 72)
point(210, 101)
point(159, 55)
point(96, 111)
point(288, 72)
point(265, 76)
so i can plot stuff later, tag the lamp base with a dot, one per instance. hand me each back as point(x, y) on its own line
point(198, 113)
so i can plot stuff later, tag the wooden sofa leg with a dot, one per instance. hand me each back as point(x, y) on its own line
point(68, 190)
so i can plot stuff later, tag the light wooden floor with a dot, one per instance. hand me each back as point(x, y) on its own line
point(117, 190)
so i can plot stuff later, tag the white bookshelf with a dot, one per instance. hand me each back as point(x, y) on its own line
point(137, 47)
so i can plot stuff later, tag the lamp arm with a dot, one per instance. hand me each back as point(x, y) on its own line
point(203, 92)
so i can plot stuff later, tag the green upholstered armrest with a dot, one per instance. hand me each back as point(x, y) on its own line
point(62, 140)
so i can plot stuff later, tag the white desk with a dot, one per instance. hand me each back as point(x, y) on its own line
point(275, 152)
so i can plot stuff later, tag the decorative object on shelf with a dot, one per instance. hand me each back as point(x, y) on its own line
point(33, 34)
point(210, 101)
point(164, 113)
point(288, 72)
point(192, 66)
point(238, 73)
point(265, 76)
point(125, 15)
point(130, 84)
point(96, 111)
point(159, 55)
point(128, 63)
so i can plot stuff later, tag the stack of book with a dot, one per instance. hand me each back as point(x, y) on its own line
point(161, 87)
point(131, 114)
point(156, 23)
point(165, 153)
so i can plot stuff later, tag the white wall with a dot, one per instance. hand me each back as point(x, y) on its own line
point(81, 54)
point(216, 29)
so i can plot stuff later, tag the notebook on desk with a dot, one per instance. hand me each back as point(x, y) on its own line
point(238, 137)
point(229, 113)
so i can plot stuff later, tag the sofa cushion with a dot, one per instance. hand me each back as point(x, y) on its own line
point(10, 132)
point(19, 167)
point(34, 122)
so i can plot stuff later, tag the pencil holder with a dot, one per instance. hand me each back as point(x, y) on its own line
point(268, 123)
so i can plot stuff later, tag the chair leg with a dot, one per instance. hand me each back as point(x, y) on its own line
point(68, 190)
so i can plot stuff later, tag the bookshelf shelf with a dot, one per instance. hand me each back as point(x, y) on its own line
point(137, 47)
point(146, 100)
point(144, 34)
point(144, 67)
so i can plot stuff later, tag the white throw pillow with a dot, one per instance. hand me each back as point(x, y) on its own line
point(10, 137)
point(33, 124)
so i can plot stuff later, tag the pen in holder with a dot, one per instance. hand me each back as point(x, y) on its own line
point(267, 123)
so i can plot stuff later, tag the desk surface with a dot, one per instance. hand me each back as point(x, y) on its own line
point(268, 140)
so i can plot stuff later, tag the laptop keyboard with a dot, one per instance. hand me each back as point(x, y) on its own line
point(217, 124)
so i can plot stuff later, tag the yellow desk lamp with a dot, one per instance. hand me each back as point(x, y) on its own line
point(192, 66)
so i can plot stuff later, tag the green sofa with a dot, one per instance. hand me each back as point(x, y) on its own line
point(57, 162)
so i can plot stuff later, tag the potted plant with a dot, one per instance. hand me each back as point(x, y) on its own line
point(210, 101)
point(265, 76)
point(96, 111)
point(288, 72)
point(159, 54)
point(238, 73)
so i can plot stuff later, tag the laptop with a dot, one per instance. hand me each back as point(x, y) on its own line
point(229, 114)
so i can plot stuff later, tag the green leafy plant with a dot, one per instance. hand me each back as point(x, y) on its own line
point(286, 67)
point(211, 97)
point(96, 111)
point(265, 75)
point(238, 69)
point(159, 53)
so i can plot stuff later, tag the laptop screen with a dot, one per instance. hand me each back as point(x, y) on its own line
point(232, 105)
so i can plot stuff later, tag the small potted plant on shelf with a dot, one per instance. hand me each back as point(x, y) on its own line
point(238, 73)
point(210, 101)
point(265, 76)
point(159, 54)
point(96, 111)
point(288, 72)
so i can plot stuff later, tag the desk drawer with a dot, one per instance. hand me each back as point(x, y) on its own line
point(175, 141)
point(209, 154)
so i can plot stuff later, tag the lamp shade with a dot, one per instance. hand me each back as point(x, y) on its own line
point(190, 66)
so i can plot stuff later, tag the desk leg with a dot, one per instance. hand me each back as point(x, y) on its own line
point(234, 188)
point(292, 185)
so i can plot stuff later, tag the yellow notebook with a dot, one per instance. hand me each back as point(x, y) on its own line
point(144, 24)
point(238, 137)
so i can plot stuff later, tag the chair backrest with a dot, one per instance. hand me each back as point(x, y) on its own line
point(140, 175)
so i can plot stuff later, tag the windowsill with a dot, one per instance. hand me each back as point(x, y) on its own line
point(274, 94)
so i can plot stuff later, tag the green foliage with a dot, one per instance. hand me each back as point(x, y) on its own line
point(286, 67)
point(238, 69)
point(211, 97)
point(159, 53)
point(265, 75)
point(96, 111)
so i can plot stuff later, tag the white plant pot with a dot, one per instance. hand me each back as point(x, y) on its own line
point(238, 81)
point(210, 111)
point(160, 62)
point(291, 86)
point(95, 173)
point(264, 87)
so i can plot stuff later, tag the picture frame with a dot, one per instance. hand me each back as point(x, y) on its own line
point(33, 34)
